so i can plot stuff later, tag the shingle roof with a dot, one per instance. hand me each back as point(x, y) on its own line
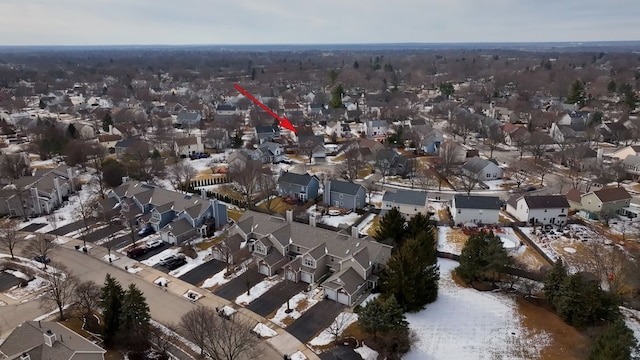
point(344, 187)
point(546, 201)
point(631, 160)
point(293, 178)
point(347, 279)
point(180, 226)
point(187, 141)
point(418, 198)
point(477, 202)
point(612, 194)
point(574, 195)
point(476, 165)
point(188, 116)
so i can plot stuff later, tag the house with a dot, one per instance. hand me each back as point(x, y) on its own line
point(626, 151)
point(517, 136)
point(44, 340)
point(377, 129)
point(302, 187)
point(467, 209)
point(563, 133)
point(85, 131)
point(267, 133)
point(305, 253)
point(575, 117)
point(315, 108)
point(312, 146)
point(580, 157)
point(186, 146)
point(125, 146)
point(169, 212)
point(539, 209)
point(38, 194)
point(482, 169)
point(269, 152)
point(109, 141)
point(188, 119)
point(431, 140)
point(631, 165)
point(390, 163)
point(344, 195)
point(603, 202)
point(408, 202)
point(226, 109)
point(232, 250)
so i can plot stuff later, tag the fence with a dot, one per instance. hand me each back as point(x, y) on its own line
point(209, 181)
point(532, 244)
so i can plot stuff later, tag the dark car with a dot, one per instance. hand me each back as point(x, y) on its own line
point(42, 259)
point(530, 188)
point(146, 231)
point(136, 252)
point(175, 263)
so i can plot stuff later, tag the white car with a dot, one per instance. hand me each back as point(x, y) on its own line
point(167, 259)
point(152, 244)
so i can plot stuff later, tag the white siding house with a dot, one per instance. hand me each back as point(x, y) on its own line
point(475, 209)
point(539, 209)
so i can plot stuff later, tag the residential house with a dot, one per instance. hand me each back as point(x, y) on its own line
point(238, 158)
point(377, 129)
point(302, 187)
point(344, 195)
point(431, 140)
point(626, 151)
point(467, 209)
point(564, 133)
point(517, 136)
point(233, 250)
point(269, 152)
point(631, 165)
point(85, 131)
point(45, 340)
point(615, 132)
point(408, 202)
point(125, 146)
point(573, 117)
point(168, 212)
point(309, 254)
point(312, 146)
point(539, 209)
point(186, 146)
point(315, 108)
point(390, 163)
point(601, 203)
point(579, 157)
point(226, 109)
point(267, 133)
point(189, 119)
point(38, 194)
point(482, 169)
point(109, 141)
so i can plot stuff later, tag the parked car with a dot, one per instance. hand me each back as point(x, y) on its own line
point(152, 244)
point(286, 160)
point(42, 259)
point(175, 263)
point(531, 188)
point(166, 259)
point(137, 252)
point(146, 231)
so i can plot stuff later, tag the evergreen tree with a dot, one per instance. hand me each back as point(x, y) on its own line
point(446, 89)
point(577, 93)
point(391, 229)
point(554, 280)
point(106, 122)
point(71, 131)
point(371, 318)
point(412, 274)
point(336, 97)
point(111, 303)
point(482, 254)
point(393, 315)
point(581, 302)
point(417, 224)
point(615, 343)
point(612, 86)
point(134, 317)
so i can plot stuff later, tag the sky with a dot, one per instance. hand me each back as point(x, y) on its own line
point(214, 22)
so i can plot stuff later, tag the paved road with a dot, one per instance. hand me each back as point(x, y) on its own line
point(275, 297)
point(120, 241)
point(203, 272)
point(33, 227)
point(316, 319)
point(7, 281)
point(237, 286)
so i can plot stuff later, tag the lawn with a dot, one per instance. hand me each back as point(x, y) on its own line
point(375, 223)
point(208, 244)
point(278, 205)
point(234, 214)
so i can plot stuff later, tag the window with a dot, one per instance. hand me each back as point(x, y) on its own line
point(309, 262)
point(261, 249)
point(341, 196)
point(545, 210)
point(488, 175)
point(562, 210)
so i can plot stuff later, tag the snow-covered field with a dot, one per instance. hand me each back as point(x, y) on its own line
point(468, 324)
point(443, 244)
point(335, 221)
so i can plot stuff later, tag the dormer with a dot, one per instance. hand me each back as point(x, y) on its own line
point(308, 261)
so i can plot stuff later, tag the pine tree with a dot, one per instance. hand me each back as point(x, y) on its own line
point(391, 229)
point(581, 302)
point(111, 303)
point(336, 97)
point(107, 122)
point(615, 343)
point(482, 254)
point(412, 275)
point(612, 86)
point(554, 280)
point(371, 318)
point(417, 224)
point(393, 315)
point(577, 93)
point(134, 317)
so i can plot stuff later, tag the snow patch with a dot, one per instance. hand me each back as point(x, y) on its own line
point(281, 314)
point(256, 291)
point(341, 323)
point(366, 352)
point(264, 331)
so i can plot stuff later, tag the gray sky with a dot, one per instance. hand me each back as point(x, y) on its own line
point(114, 22)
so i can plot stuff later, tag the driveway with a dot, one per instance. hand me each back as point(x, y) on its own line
point(7, 281)
point(76, 225)
point(237, 286)
point(33, 227)
point(276, 296)
point(316, 319)
point(203, 272)
point(103, 233)
point(120, 242)
point(153, 252)
point(340, 353)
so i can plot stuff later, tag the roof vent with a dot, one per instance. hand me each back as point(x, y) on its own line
point(25, 356)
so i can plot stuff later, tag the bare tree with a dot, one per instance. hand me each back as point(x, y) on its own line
point(339, 324)
point(87, 296)
point(543, 168)
point(217, 137)
point(246, 177)
point(495, 137)
point(449, 153)
point(85, 212)
point(518, 172)
point(52, 219)
point(161, 340)
point(610, 264)
point(268, 185)
point(41, 246)
point(218, 339)
point(536, 145)
point(353, 162)
point(9, 235)
point(425, 178)
point(182, 174)
point(469, 182)
point(14, 166)
point(61, 290)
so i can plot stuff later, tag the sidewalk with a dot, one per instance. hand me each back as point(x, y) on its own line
point(283, 343)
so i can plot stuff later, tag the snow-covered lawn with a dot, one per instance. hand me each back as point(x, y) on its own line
point(366, 224)
point(257, 290)
point(341, 323)
point(496, 184)
point(632, 319)
point(18, 274)
point(443, 244)
point(468, 324)
point(35, 285)
point(304, 299)
point(335, 221)
point(264, 331)
point(216, 280)
point(366, 352)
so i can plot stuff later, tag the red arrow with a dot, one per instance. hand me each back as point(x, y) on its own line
point(283, 121)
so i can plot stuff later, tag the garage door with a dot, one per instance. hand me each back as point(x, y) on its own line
point(264, 269)
point(291, 276)
point(330, 294)
point(343, 298)
point(306, 277)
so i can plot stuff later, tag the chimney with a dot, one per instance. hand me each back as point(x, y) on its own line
point(36, 201)
point(71, 179)
point(25, 356)
point(56, 184)
point(49, 338)
point(289, 216)
point(600, 152)
point(203, 193)
point(355, 233)
point(312, 219)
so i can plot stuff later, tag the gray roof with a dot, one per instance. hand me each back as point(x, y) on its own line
point(477, 202)
point(347, 279)
point(270, 147)
point(631, 160)
point(418, 198)
point(267, 129)
point(476, 165)
point(546, 201)
point(344, 187)
point(189, 116)
point(179, 227)
point(293, 178)
point(29, 338)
